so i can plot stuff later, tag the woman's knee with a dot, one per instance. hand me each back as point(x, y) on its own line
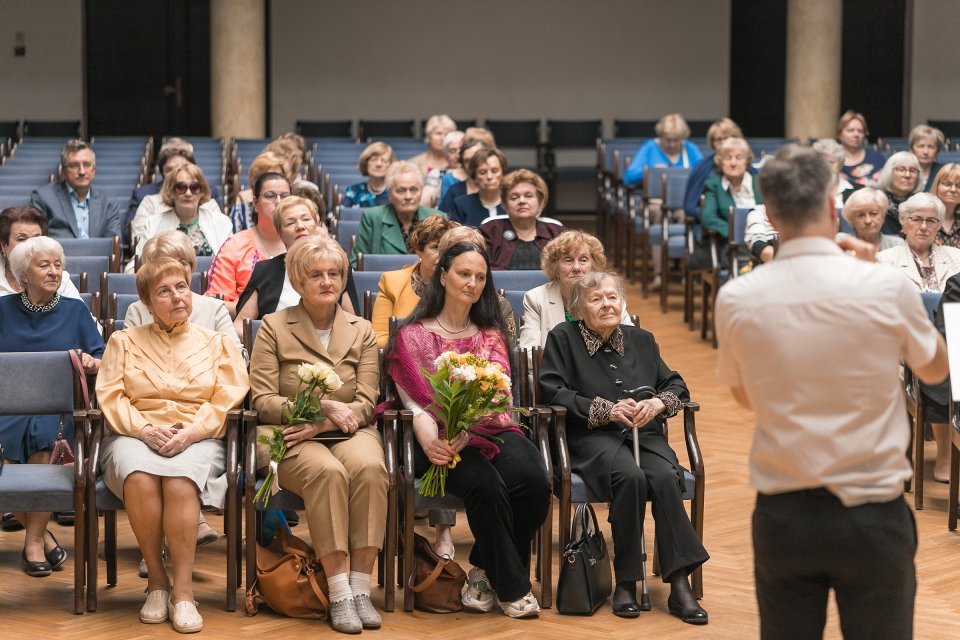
point(369, 472)
point(141, 483)
point(179, 488)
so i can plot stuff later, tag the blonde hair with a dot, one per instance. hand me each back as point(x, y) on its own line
point(512, 179)
point(438, 121)
point(152, 272)
point(461, 234)
point(374, 149)
point(306, 251)
point(173, 245)
point(672, 125)
point(430, 229)
point(288, 203)
point(268, 162)
point(196, 173)
point(926, 132)
point(732, 143)
point(565, 244)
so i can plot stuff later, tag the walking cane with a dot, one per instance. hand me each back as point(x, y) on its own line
point(638, 394)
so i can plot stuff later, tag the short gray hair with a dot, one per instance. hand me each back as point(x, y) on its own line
point(72, 147)
point(830, 148)
point(453, 136)
point(590, 282)
point(922, 201)
point(864, 197)
point(795, 184)
point(24, 253)
point(401, 167)
point(899, 159)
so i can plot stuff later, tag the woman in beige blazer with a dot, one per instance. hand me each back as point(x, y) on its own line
point(926, 265)
point(343, 482)
point(566, 259)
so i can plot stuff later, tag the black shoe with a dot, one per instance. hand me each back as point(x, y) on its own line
point(35, 569)
point(690, 615)
point(10, 523)
point(56, 556)
point(625, 600)
point(293, 518)
point(64, 518)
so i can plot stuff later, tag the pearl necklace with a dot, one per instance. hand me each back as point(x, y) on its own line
point(38, 309)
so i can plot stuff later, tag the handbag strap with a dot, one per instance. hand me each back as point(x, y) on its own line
point(312, 578)
point(581, 521)
point(78, 367)
point(432, 577)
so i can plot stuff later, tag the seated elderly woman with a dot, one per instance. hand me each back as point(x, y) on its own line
point(832, 151)
point(19, 224)
point(733, 186)
point(759, 235)
point(586, 365)
point(241, 213)
point(485, 168)
point(926, 143)
point(343, 482)
point(435, 157)
point(432, 184)
point(230, 271)
point(503, 484)
point(165, 389)
point(185, 192)
point(516, 241)
point(386, 229)
point(373, 164)
point(927, 265)
point(269, 288)
point(457, 183)
point(718, 132)
point(39, 319)
point(861, 164)
point(899, 179)
point(864, 211)
point(946, 186)
point(566, 259)
point(669, 149)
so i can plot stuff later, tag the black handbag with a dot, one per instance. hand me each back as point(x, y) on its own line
point(585, 579)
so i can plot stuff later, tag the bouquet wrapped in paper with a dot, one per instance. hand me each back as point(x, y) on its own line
point(466, 389)
point(303, 407)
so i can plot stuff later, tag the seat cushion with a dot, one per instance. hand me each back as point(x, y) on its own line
point(106, 500)
point(36, 487)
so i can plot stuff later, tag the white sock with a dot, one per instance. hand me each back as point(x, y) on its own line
point(360, 583)
point(339, 587)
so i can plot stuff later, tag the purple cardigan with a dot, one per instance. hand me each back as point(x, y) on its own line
point(501, 248)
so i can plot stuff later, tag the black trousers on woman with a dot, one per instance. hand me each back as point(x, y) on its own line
point(679, 546)
point(506, 500)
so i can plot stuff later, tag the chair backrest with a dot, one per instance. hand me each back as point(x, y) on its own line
point(574, 134)
point(737, 219)
point(653, 181)
point(350, 213)
point(634, 128)
point(346, 229)
point(521, 280)
point(931, 300)
point(844, 225)
point(384, 129)
point(384, 261)
point(92, 300)
point(119, 303)
point(250, 328)
point(37, 383)
point(203, 263)
point(515, 298)
point(675, 189)
point(79, 280)
point(325, 128)
point(366, 281)
point(515, 133)
point(93, 266)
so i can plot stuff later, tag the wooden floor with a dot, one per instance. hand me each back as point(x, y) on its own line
point(35, 608)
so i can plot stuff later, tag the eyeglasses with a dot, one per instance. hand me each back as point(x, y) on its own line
point(906, 171)
point(76, 166)
point(949, 185)
point(272, 196)
point(181, 188)
point(930, 222)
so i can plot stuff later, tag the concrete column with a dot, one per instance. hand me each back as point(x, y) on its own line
point(238, 98)
point(814, 38)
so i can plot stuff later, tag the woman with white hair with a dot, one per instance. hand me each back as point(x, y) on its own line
point(432, 185)
point(39, 319)
point(731, 186)
point(435, 157)
point(864, 211)
point(834, 154)
point(386, 229)
point(669, 149)
point(899, 179)
point(19, 224)
point(928, 266)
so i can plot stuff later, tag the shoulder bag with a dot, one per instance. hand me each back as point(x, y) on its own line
point(585, 580)
point(436, 581)
point(290, 579)
point(61, 453)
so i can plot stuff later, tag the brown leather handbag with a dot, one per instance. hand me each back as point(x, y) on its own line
point(436, 581)
point(290, 579)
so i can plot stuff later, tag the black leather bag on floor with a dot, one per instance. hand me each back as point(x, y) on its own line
point(585, 579)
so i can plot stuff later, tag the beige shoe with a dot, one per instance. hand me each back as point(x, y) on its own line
point(185, 617)
point(206, 534)
point(154, 610)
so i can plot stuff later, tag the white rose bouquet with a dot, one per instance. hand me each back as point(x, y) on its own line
point(303, 407)
point(466, 388)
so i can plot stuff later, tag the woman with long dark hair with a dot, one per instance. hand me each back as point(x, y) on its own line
point(503, 484)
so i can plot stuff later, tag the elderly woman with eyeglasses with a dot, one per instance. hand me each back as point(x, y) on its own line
point(899, 179)
point(184, 192)
point(373, 163)
point(927, 265)
point(946, 186)
point(39, 319)
point(230, 271)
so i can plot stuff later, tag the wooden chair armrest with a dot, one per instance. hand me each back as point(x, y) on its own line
point(388, 422)
point(250, 449)
point(690, 436)
point(234, 426)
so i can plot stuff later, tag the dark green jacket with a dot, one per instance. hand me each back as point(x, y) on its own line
point(717, 202)
point(379, 231)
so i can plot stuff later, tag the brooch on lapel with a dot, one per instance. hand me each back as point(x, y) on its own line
point(509, 235)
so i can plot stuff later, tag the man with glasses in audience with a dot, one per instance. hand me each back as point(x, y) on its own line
point(74, 209)
point(812, 343)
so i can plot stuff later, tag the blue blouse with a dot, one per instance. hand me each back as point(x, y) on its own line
point(358, 195)
point(651, 155)
point(68, 325)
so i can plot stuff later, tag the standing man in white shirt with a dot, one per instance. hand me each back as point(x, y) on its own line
point(811, 342)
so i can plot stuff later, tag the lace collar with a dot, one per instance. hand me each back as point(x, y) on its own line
point(37, 309)
point(593, 341)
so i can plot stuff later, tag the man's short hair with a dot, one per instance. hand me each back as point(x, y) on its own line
point(795, 185)
point(72, 147)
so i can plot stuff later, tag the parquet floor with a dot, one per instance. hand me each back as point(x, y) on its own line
point(34, 608)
